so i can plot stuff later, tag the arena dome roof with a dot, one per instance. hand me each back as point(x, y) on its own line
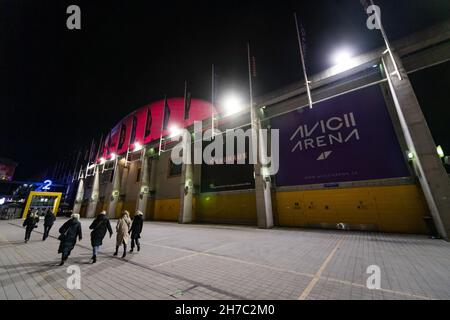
point(144, 124)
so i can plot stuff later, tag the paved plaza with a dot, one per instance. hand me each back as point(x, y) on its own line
point(227, 262)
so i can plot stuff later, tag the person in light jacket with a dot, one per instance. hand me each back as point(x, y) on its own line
point(69, 232)
point(31, 222)
point(99, 227)
point(49, 220)
point(136, 229)
point(122, 228)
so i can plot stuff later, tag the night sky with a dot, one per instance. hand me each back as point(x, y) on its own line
point(60, 88)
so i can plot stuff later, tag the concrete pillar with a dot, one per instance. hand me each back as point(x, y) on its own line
point(115, 192)
point(186, 182)
point(263, 190)
point(152, 189)
point(93, 200)
point(186, 194)
point(153, 167)
point(79, 197)
point(144, 189)
point(429, 168)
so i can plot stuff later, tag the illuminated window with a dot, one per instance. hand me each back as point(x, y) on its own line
point(174, 169)
point(148, 123)
point(133, 130)
point(123, 131)
point(138, 175)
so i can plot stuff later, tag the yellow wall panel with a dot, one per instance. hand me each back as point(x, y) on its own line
point(130, 206)
point(290, 209)
point(390, 208)
point(401, 208)
point(150, 209)
point(167, 209)
point(105, 205)
point(227, 208)
point(119, 209)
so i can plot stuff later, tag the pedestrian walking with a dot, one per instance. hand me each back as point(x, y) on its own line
point(122, 228)
point(136, 229)
point(99, 227)
point(49, 220)
point(69, 232)
point(30, 223)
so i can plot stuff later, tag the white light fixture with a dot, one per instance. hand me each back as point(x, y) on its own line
point(137, 146)
point(102, 160)
point(410, 155)
point(342, 56)
point(232, 104)
point(174, 131)
point(2, 201)
point(343, 60)
point(440, 152)
point(113, 156)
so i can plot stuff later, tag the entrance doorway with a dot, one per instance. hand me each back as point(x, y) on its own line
point(42, 201)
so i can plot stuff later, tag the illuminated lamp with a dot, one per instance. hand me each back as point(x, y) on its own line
point(174, 131)
point(343, 60)
point(440, 152)
point(137, 146)
point(232, 104)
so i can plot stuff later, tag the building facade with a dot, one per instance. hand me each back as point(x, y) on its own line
point(346, 163)
point(7, 169)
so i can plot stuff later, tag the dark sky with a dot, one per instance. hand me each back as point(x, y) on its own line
point(59, 87)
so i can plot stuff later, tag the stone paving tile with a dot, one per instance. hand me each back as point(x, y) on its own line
point(411, 264)
point(330, 290)
point(191, 262)
point(237, 280)
point(284, 251)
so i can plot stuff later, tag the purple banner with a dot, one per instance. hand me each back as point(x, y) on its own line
point(347, 138)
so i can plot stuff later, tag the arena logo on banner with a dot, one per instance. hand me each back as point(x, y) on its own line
point(325, 133)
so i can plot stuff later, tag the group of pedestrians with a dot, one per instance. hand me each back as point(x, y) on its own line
point(71, 230)
point(32, 220)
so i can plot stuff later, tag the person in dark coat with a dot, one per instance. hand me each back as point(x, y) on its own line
point(69, 232)
point(49, 220)
point(99, 227)
point(31, 222)
point(135, 230)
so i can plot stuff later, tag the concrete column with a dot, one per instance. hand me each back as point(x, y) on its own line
point(429, 168)
point(79, 197)
point(152, 189)
point(93, 200)
point(115, 192)
point(144, 189)
point(186, 182)
point(153, 167)
point(262, 181)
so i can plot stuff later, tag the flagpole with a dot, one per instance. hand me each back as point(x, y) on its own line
point(76, 165)
point(98, 152)
point(89, 158)
point(212, 100)
point(99, 147)
point(185, 94)
point(250, 83)
point(388, 45)
point(162, 126)
point(308, 89)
